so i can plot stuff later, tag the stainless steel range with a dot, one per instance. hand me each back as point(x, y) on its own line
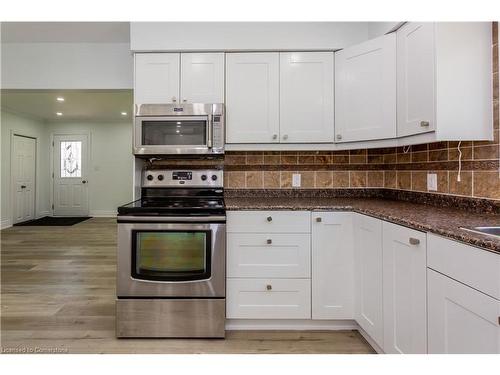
point(171, 257)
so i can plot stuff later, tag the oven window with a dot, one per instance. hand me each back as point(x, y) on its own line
point(171, 255)
point(174, 133)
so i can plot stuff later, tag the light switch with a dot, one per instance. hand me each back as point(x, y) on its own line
point(296, 180)
point(432, 184)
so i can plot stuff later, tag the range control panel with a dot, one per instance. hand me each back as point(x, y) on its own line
point(181, 178)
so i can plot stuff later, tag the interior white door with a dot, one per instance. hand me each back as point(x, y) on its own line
point(71, 187)
point(202, 77)
point(252, 97)
point(461, 319)
point(405, 290)
point(365, 77)
point(368, 276)
point(332, 265)
point(156, 78)
point(23, 178)
point(306, 97)
point(416, 98)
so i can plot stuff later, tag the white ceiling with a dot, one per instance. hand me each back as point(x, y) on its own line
point(65, 32)
point(78, 105)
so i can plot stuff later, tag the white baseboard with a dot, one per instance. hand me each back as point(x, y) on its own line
point(43, 214)
point(102, 213)
point(5, 223)
point(289, 324)
point(367, 337)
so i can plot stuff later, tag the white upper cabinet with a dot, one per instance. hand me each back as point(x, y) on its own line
point(306, 97)
point(405, 290)
point(156, 78)
point(365, 90)
point(368, 276)
point(202, 77)
point(444, 74)
point(332, 265)
point(416, 78)
point(252, 97)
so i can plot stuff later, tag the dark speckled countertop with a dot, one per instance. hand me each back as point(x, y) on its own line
point(439, 220)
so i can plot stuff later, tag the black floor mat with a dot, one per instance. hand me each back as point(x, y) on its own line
point(54, 221)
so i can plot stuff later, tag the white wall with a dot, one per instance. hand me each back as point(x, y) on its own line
point(206, 36)
point(16, 124)
point(66, 66)
point(111, 163)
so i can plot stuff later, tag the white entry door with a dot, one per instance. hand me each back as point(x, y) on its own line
point(23, 178)
point(71, 196)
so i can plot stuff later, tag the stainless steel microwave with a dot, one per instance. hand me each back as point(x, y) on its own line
point(169, 129)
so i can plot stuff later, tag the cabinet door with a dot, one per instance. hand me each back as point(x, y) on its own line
point(368, 276)
point(332, 266)
point(405, 286)
point(461, 320)
point(202, 77)
point(306, 97)
point(365, 77)
point(252, 97)
point(156, 78)
point(416, 78)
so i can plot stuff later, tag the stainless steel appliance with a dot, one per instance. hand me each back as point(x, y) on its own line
point(171, 257)
point(166, 129)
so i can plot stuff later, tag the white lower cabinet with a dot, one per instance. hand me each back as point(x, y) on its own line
point(268, 298)
point(404, 275)
point(332, 265)
point(461, 319)
point(368, 276)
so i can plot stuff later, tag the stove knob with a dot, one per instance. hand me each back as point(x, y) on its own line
point(160, 177)
point(214, 177)
point(203, 177)
point(149, 177)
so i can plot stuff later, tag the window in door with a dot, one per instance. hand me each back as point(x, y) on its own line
point(71, 159)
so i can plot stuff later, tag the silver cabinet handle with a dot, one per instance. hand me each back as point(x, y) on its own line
point(424, 123)
point(414, 241)
point(269, 241)
point(269, 287)
point(285, 137)
point(269, 218)
point(339, 136)
point(184, 100)
point(318, 219)
point(174, 99)
point(275, 136)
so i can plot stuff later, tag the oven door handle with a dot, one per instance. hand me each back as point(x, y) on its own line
point(169, 219)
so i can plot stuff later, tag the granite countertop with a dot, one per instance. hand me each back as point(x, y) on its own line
point(443, 221)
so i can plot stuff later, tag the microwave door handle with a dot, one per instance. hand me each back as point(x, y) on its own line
point(209, 132)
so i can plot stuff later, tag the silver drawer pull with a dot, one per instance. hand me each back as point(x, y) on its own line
point(424, 123)
point(269, 218)
point(318, 219)
point(269, 287)
point(414, 241)
point(269, 241)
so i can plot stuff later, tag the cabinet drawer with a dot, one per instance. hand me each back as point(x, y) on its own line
point(477, 268)
point(269, 221)
point(268, 255)
point(268, 299)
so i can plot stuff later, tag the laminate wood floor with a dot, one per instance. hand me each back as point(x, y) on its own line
point(58, 295)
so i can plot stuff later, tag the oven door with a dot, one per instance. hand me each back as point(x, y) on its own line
point(171, 260)
point(157, 135)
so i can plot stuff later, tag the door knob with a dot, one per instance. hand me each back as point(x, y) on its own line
point(269, 218)
point(318, 219)
point(84, 181)
point(269, 241)
point(414, 241)
point(424, 123)
point(339, 136)
point(275, 136)
point(23, 186)
point(269, 287)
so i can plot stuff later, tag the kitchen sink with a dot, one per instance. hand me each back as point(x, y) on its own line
point(489, 231)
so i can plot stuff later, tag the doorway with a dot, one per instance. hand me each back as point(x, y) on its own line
point(71, 185)
point(23, 164)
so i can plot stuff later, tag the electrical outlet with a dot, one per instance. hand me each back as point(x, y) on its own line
point(296, 180)
point(432, 184)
